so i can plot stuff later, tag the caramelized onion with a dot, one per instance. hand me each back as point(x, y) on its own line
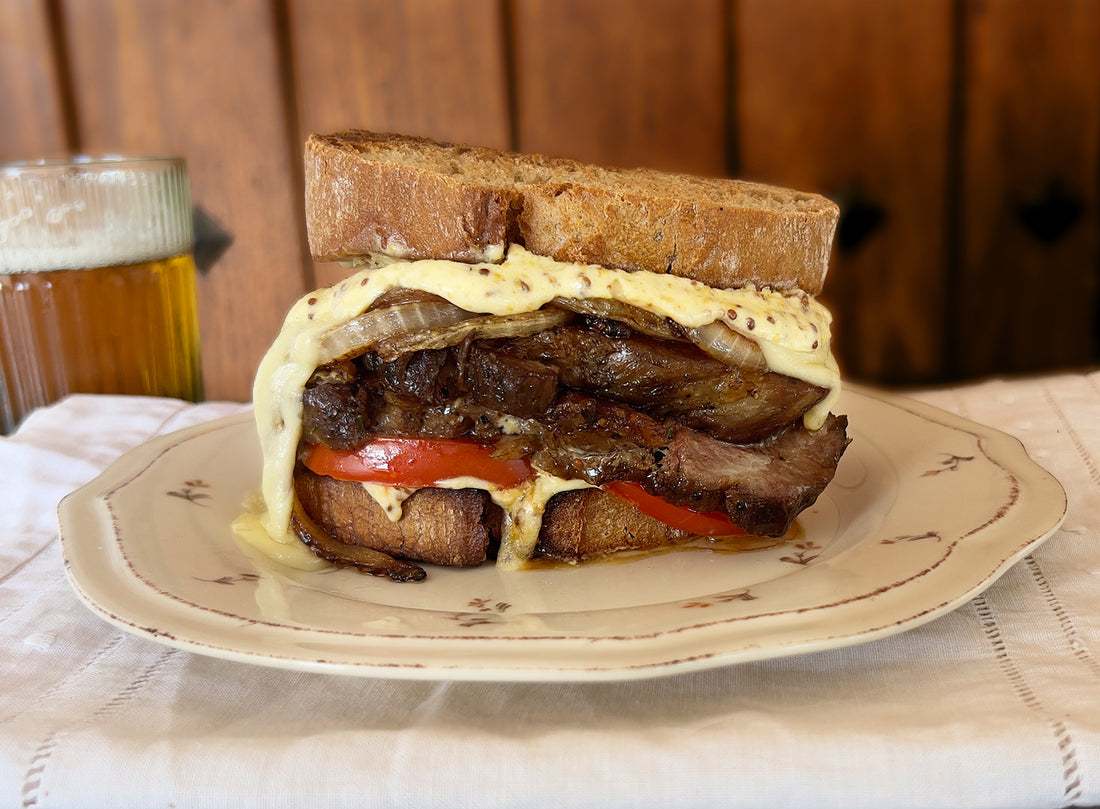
point(483, 328)
point(641, 320)
point(715, 339)
point(724, 344)
point(364, 332)
point(402, 328)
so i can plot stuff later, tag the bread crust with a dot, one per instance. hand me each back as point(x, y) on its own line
point(440, 526)
point(359, 207)
point(714, 244)
point(587, 524)
point(457, 527)
point(370, 193)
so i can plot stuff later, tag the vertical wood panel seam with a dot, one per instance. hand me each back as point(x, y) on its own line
point(63, 71)
point(730, 40)
point(1096, 256)
point(288, 91)
point(954, 204)
point(511, 81)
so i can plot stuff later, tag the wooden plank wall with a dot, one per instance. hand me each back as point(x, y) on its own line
point(960, 136)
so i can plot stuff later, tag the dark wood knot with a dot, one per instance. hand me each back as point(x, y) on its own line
point(860, 216)
point(1051, 214)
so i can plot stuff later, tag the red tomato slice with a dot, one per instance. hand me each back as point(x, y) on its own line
point(708, 524)
point(416, 462)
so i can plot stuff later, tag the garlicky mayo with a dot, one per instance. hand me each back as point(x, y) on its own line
point(792, 331)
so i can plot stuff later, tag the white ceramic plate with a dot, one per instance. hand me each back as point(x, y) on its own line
point(926, 510)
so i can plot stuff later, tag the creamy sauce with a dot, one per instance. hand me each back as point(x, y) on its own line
point(389, 498)
point(250, 530)
point(792, 331)
point(523, 510)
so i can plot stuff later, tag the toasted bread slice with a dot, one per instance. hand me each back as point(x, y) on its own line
point(458, 527)
point(440, 526)
point(412, 198)
point(587, 524)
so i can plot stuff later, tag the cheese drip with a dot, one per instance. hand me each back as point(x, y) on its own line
point(792, 331)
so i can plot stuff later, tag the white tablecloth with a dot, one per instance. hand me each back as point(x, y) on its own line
point(994, 705)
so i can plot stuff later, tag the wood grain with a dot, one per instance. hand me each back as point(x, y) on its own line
point(948, 116)
point(625, 83)
point(842, 96)
point(203, 79)
point(30, 92)
point(1032, 111)
point(444, 76)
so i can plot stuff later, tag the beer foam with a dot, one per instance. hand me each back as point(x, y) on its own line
point(93, 213)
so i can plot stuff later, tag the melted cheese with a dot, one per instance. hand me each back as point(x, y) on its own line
point(792, 331)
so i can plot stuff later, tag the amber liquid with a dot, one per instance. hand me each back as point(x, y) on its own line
point(129, 329)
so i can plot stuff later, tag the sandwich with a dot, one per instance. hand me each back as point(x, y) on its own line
point(535, 358)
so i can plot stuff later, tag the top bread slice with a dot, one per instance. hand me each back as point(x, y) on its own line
point(369, 193)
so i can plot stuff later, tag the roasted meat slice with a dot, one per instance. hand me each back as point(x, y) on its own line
point(524, 377)
point(514, 385)
point(336, 414)
point(669, 378)
point(764, 486)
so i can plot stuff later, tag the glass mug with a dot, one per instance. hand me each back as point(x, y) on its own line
point(97, 281)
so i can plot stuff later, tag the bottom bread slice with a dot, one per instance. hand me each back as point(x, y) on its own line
point(440, 526)
point(462, 528)
point(588, 524)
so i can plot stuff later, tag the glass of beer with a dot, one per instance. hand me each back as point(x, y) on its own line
point(97, 281)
